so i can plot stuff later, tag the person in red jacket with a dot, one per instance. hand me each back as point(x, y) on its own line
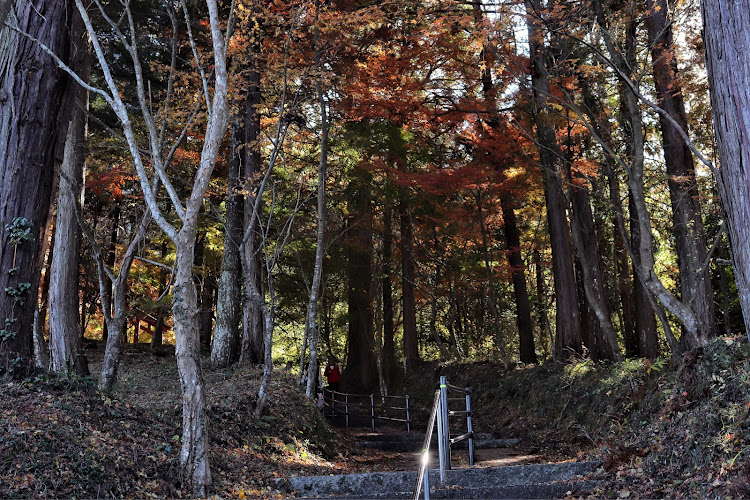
point(333, 375)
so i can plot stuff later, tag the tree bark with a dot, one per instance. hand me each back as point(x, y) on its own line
point(31, 93)
point(727, 38)
point(157, 339)
point(360, 373)
point(226, 333)
point(194, 451)
point(645, 318)
point(111, 258)
point(252, 325)
point(408, 287)
point(64, 270)
point(584, 236)
point(690, 237)
point(545, 329)
point(494, 309)
point(311, 328)
point(390, 368)
point(41, 350)
point(624, 281)
point(527, 352)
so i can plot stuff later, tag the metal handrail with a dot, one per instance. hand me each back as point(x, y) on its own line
point(368, 407)
point(445, 413)
point(421, 476)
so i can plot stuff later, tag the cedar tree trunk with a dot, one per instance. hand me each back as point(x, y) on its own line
point(727, 38)
point(31, 93)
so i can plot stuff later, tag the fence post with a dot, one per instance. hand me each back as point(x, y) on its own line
point(372, 410)
point(446, 424)
point(408, 418)
point(333, 404)
point(441, 441)
point(469, 426)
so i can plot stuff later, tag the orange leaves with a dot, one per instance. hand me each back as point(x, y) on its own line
point(584, 168)
point(109, 183)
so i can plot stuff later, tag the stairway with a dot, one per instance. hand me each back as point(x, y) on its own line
point(521, 481)
point(412, 442)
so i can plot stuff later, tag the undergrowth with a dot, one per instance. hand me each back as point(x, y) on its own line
point(63, 438)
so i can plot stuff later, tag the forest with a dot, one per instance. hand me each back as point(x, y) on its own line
point(388, 184)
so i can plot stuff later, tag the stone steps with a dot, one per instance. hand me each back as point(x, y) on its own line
point(519, 481)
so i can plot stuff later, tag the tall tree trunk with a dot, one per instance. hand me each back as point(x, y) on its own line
point(360, 373)
point(545, 329)
point(311, 325)
point(584, 236)
point(252, 351)
point(194, 451)
point(157, 339)
point(527, 351)
point(645, 318)
point(115, 306)
point(111, 257)
point(568, 324)
point(690, 237)
point(626, 283)
point(63, 294)
point(41, 351)
point(207, 305)
point(390, 368)
point(727, 38)
point(226, 334)
point(32, 87)
point(408, 287)
point(494, 309)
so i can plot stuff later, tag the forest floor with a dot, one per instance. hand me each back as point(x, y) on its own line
point(674, 428)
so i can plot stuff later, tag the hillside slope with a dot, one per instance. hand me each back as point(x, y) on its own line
point(673, 428)
point(65, 439)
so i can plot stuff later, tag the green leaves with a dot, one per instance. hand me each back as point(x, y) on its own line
point(18, 292)
point(19, 230)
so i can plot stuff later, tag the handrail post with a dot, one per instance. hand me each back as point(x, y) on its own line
point(425, 461)
point(346, 407)
point(446, 424)
point(426, 481)
point(333, 404)
point(441, 441)
point(469, 426)
point(408, 418)
point(372, 410)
